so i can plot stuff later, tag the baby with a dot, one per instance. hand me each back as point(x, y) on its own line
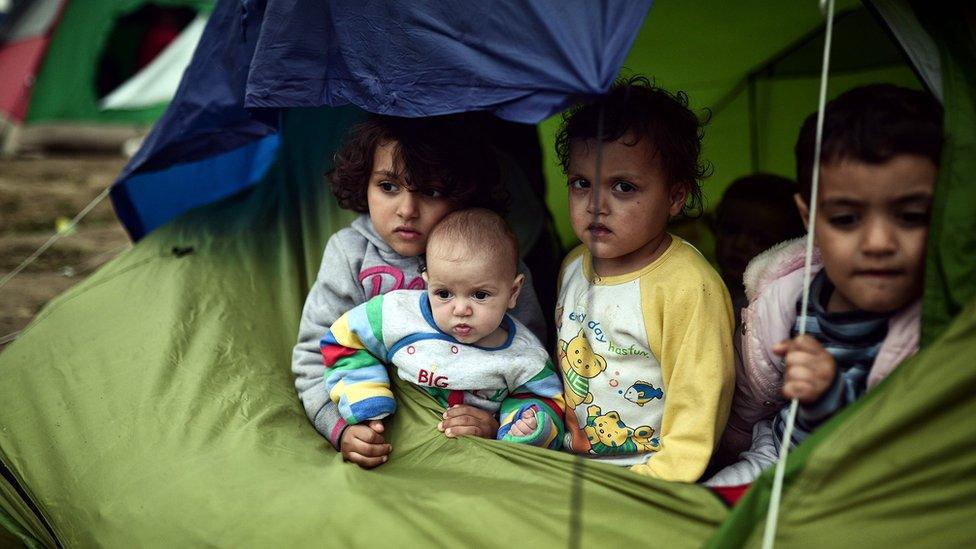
point(454, 341)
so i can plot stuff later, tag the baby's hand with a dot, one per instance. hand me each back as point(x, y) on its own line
point(526, 424)
point(810, 369)
point(462, 419)
point(364, 445)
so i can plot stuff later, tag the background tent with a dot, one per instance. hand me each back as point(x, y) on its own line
point(757, 91)
point(152, 404)
point(88, 47)
point(155, 82)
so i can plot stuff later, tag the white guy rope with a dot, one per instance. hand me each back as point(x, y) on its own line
point(56, 236)
point(772, 514)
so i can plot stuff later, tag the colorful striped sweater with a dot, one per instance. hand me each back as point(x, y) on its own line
point(398, 328)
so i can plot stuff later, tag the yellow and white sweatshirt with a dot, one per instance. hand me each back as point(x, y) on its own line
point(646, 360)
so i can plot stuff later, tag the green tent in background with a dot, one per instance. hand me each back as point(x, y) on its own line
point(89, 40)
point(755, 66)
point(151, 405)
point(60, 58)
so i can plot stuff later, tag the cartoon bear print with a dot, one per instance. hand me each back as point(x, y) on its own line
point(579, 364)
point(643, 438)
point(609, 435)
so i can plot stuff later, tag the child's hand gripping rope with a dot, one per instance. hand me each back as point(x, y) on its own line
point(810, 369)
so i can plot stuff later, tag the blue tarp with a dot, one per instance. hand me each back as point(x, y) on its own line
point(521, 60)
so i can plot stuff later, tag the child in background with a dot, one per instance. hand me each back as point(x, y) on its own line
point(403, 175)
point(644, 322)
point(881, 147)
point(756, 212)
point(453, 341)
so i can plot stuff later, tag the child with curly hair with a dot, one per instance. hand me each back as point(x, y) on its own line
point(403, 175)
point(644, 322)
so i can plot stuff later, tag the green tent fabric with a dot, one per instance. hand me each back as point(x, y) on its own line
point(898, 467)
point(951, 262)
point(72, 63)
point(162, 411)
point(152, 405)
point(755, 65)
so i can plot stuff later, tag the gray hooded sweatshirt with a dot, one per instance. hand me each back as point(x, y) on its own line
point(356, 266)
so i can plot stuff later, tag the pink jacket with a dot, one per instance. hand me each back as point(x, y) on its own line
point(774, 284)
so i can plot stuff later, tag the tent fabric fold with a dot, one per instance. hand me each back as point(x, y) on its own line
point(430, 58)
point(899, 464)
point(950, 277)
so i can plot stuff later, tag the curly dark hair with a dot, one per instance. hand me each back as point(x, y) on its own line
point(871, 124)
point(637, 109)
point(447, 153)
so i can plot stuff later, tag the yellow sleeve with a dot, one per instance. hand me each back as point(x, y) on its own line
point(689, 321)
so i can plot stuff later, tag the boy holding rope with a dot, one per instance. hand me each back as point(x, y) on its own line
point(879, 163)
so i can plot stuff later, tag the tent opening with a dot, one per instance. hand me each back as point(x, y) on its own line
point(135, 40)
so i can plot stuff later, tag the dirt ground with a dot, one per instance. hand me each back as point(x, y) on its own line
point(35, 193)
